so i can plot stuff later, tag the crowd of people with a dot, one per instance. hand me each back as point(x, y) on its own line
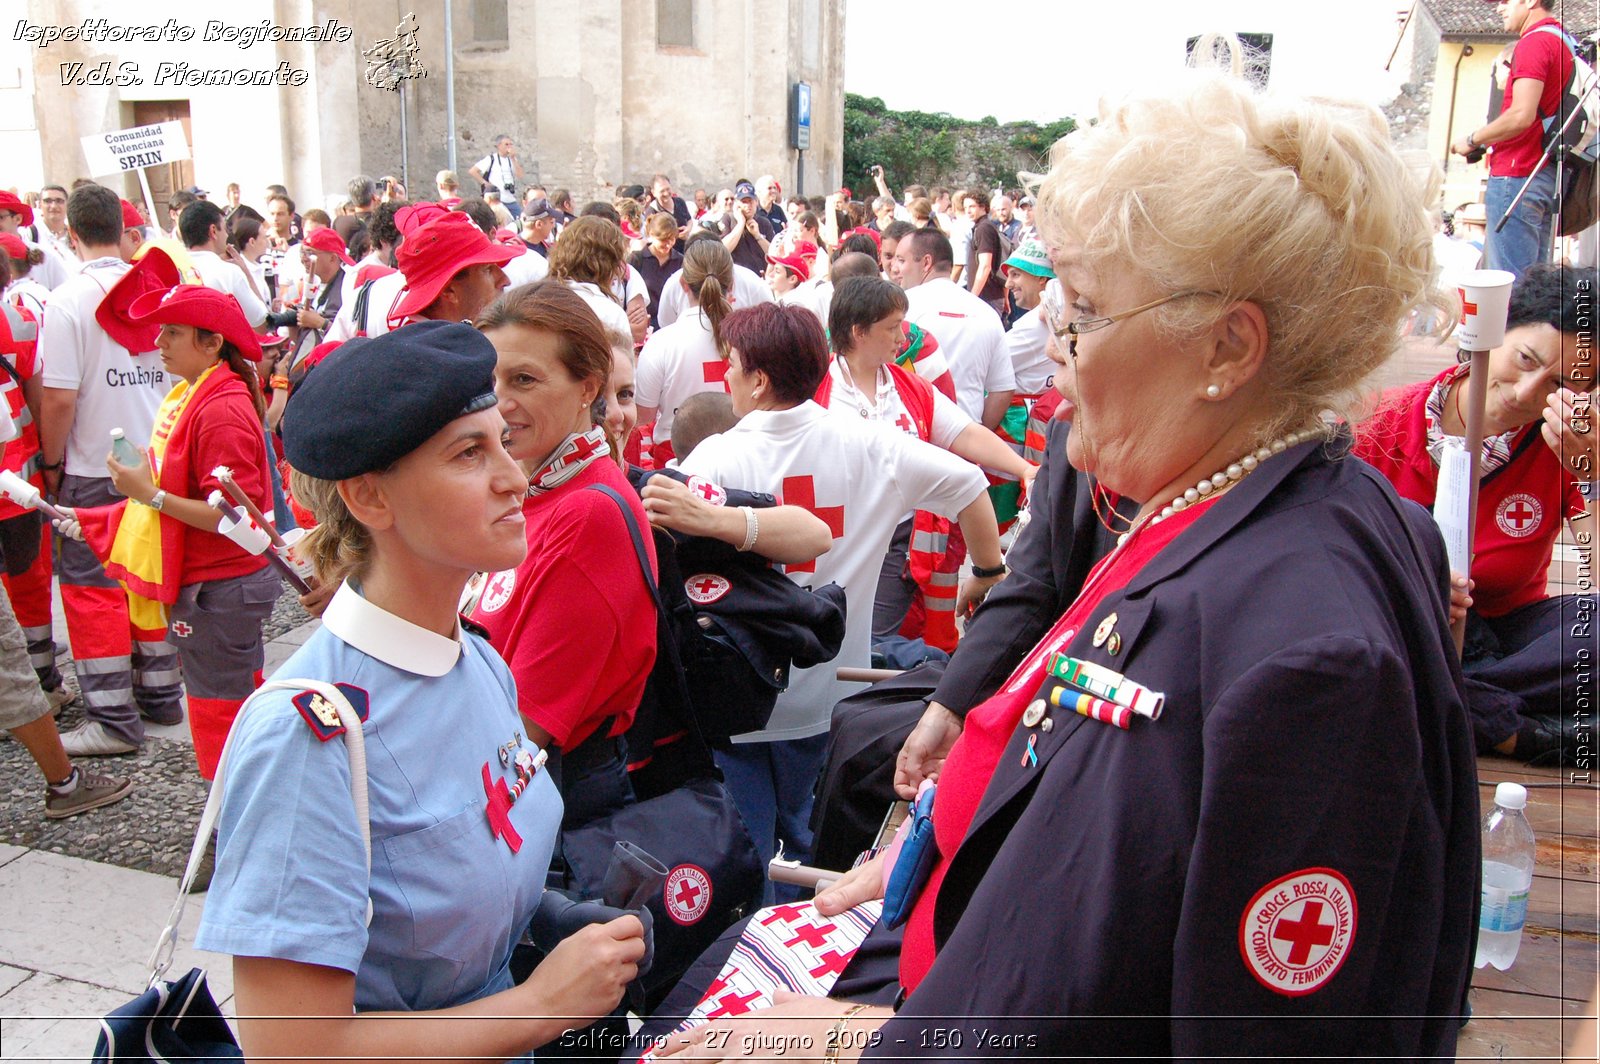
point(1090, 452)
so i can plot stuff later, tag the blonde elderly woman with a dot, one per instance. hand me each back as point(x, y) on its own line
point(1227, 805)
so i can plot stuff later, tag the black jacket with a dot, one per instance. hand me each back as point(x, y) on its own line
point(1314, 720)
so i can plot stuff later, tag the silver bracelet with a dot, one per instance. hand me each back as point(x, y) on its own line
point(752, 528)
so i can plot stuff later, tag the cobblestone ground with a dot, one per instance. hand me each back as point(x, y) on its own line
point(152, 829)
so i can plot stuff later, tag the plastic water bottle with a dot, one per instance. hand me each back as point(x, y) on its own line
point(125, 452)
point(1507, 877)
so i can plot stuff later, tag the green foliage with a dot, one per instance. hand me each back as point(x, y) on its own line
point(916, 147)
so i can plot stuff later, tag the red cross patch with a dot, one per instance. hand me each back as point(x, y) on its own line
point(687, 894)
point(802, 491)
point(181, 629)
point(706, 588)
point(1297, 930)
point(1519, 515)
point(711, 493)
point(497, 591)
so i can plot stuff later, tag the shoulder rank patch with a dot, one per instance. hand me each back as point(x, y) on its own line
point(323, 717)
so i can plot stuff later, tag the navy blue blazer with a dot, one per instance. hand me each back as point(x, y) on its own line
point(1117, 897)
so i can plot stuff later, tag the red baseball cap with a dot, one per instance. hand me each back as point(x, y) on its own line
point(130, 216)
point(202, 307)
point(877, 238)
point(10, 202)
point(435, 253)
point(327, 240)
point(13, 245)
point(805, 248)
point(417, 215)
point(795, 264)
point(153, 271)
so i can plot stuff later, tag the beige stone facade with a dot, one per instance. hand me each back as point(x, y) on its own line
point(596, 93)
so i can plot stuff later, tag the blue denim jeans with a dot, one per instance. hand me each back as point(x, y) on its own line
point(1526, 239)
point(773, 784)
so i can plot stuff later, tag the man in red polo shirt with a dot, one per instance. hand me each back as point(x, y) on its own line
point(1541, 66)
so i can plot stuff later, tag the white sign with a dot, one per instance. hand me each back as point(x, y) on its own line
point(125, 150)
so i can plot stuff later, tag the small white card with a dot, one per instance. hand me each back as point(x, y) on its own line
point(1450, 504)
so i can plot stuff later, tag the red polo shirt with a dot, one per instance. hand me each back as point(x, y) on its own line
point(1542, 56)
point(1520, 505)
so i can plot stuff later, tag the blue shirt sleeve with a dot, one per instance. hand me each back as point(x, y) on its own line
point(291, 878)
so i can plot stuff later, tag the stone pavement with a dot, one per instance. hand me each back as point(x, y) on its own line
point(75, 934)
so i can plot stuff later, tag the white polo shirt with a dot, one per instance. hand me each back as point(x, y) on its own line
point(970, 336)
point(226, 277)
point(678, 361)
point(1025, 344)
point(884, 406)
point(115, 389)
point(611, 314)
point(748, 290)
point(861, 480)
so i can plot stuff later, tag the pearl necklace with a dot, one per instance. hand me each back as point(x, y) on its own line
point(1226, 478)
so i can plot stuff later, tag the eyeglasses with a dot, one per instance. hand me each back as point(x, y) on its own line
point(1070, 331)
point(54, 201)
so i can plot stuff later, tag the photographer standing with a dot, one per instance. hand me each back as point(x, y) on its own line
point(502, 171)
point(749, 233)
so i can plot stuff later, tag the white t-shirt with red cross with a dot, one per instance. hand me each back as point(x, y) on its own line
point(116, 390)
point(859, 479)
point(970, 336)
point(884, 406)
point(676, 362)
point(748, 290)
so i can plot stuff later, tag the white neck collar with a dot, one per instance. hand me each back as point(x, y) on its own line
point(392, 640)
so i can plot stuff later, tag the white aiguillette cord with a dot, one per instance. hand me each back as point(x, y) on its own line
point(355, 744)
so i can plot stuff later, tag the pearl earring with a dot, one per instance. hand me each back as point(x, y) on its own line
point(1213, 391)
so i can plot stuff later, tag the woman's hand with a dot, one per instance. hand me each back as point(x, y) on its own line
point(584, 977)
point(1569, 431)
point(1460, 597)
point(133, 482)
point(671, 505)
point(922, 756)
point(858, 886)
point(316, 600)
point(68, 527)
point(795, 1027)
point(974, 589)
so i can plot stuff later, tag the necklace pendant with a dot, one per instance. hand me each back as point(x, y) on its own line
point(865, 412)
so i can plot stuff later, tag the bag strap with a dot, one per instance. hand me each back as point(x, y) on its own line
point(355, 745)
point(664, 631)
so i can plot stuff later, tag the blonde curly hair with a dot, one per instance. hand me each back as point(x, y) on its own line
point(1300, 206)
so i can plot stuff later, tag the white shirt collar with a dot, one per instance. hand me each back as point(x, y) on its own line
point(392, 640)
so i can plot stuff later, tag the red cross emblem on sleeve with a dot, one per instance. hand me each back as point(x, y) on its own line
point(802, 491)
point(710, 492)
point(181, 629)
point(1298, 930)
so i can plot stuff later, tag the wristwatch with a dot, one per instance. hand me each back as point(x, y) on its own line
point(1472, 142)
point(984, 574)
point(157, 501)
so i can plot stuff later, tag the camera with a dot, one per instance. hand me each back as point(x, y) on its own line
point(286, 316)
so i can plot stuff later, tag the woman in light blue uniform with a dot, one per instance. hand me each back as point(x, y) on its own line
point(397, 446)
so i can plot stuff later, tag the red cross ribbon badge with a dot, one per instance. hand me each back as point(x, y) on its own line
point(1297, 930)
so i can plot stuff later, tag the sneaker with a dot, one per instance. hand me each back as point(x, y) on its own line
point(92, 792)
point(59, 698)
point(90, 739)
point(171, 714)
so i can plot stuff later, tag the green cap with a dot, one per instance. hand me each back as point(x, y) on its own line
point(1030, 256)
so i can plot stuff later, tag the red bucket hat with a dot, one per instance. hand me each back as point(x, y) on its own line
point(327, 240)
point(413, 217)
point(152, 272)
point(433, 254)
point(202, 307)
point(10, 202)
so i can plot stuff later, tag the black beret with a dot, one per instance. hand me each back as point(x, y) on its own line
point(374, 400)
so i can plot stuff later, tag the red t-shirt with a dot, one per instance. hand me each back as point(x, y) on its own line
point(227, 433)
point(1542, 56)
point(575, 621)
point(1520, 506)
point(988, 728)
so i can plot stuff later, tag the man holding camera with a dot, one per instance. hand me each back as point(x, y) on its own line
point(750, 233)
point(501, 171)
